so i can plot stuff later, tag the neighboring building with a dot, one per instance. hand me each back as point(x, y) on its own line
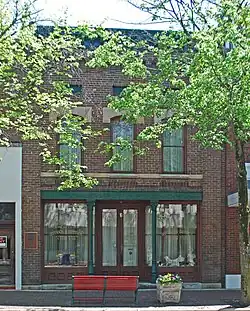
point(165, 211)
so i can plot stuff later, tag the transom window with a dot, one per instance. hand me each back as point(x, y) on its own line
point(173, 151)
point(122, 131)
point(175, 235)
point(65, 234)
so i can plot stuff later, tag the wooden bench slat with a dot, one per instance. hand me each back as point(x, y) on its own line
point(88, 283)
point(121, 283)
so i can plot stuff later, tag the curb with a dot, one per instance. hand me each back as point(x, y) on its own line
point(165, 308)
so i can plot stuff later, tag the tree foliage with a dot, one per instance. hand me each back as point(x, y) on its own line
point(35, 73)
point(199, 73)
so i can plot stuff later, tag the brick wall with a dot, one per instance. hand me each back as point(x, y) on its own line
point(232, 237)
point(31, 211)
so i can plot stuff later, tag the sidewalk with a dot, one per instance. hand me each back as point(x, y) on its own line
point(211, 300)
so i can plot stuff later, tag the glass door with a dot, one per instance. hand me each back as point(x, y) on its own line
point(117, 240)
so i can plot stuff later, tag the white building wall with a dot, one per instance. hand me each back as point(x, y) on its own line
point(11, 191)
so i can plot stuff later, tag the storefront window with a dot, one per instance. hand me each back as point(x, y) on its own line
point(175, 235)
point(66, 234)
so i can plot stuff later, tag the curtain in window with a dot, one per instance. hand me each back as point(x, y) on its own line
point(121, 129)
point(66, 234)
point(173, 151)
point(175, 235)
point(109, 242)
point(130, 240)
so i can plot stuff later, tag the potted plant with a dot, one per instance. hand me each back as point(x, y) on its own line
point(169, 288)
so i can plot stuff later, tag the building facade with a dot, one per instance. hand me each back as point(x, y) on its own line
point(161, 212)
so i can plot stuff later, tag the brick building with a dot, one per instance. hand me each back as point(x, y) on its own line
point(165, 211)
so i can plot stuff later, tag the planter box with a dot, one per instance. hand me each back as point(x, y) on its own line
point(169, 292)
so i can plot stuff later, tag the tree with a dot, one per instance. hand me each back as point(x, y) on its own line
point(200, 73)
point(36, 99)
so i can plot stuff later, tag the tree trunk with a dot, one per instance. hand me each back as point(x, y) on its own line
point(243, 222)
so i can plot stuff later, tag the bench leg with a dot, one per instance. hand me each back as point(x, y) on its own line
point(103, 296)
point(72, 298)
point(136, 292)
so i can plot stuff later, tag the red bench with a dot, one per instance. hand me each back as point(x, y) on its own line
point(103, 283)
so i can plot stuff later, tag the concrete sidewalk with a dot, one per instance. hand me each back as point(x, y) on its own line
point(205, 300)
point(166, 308)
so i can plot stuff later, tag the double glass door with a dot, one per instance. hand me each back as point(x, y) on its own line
point(118, 240)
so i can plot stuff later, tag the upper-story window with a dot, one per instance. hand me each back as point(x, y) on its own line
point(76, 89)
point(122, 131)
point(117, 90)
point(71, 154)
point(173, 151)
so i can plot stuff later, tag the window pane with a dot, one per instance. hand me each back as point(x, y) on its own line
point(66, 234)
point(7, 211)
point(174, 138)
point(76, 89)
point(175, 235)
point(117, 90)
point(109, 243)
point(173, 159)
point(126, 164)
point(121, 129)
point(148, 235)
point(130, 243)
point(71, 155)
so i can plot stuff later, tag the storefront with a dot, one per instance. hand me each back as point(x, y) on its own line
point(120, 233)
point(11, 217)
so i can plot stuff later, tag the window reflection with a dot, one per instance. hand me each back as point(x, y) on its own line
point(109, 242)
point(66, 234)
point(130, 247)
point(7, 211)
point(173, 150)
point(122, 131)
point(175, 235)
point(5, 253)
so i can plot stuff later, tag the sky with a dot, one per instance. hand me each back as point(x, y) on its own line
point(108, 13)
